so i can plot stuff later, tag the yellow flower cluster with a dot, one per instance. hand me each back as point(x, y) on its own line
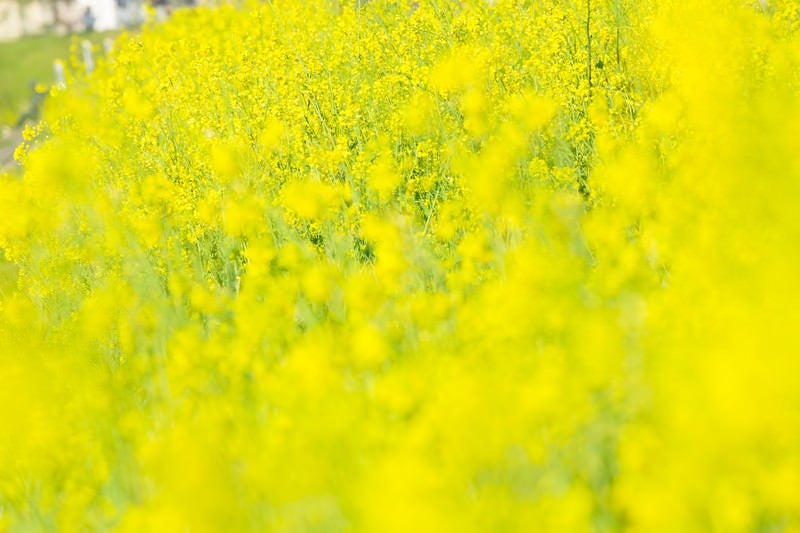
point(441, 265)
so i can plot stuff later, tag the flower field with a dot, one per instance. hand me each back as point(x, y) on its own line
point(316, 265)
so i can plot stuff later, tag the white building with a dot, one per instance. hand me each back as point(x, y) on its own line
point(36, 16)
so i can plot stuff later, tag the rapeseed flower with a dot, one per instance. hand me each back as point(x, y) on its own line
point(375, 266)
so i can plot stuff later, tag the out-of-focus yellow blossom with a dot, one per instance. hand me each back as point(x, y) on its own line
point(309, 199)
point(384, 177)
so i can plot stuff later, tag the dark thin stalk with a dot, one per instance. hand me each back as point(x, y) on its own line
point(589, 41)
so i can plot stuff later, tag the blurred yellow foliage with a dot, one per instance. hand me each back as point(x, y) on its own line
point(306, 265)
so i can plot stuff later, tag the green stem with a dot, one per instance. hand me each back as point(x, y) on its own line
point(589, 41)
